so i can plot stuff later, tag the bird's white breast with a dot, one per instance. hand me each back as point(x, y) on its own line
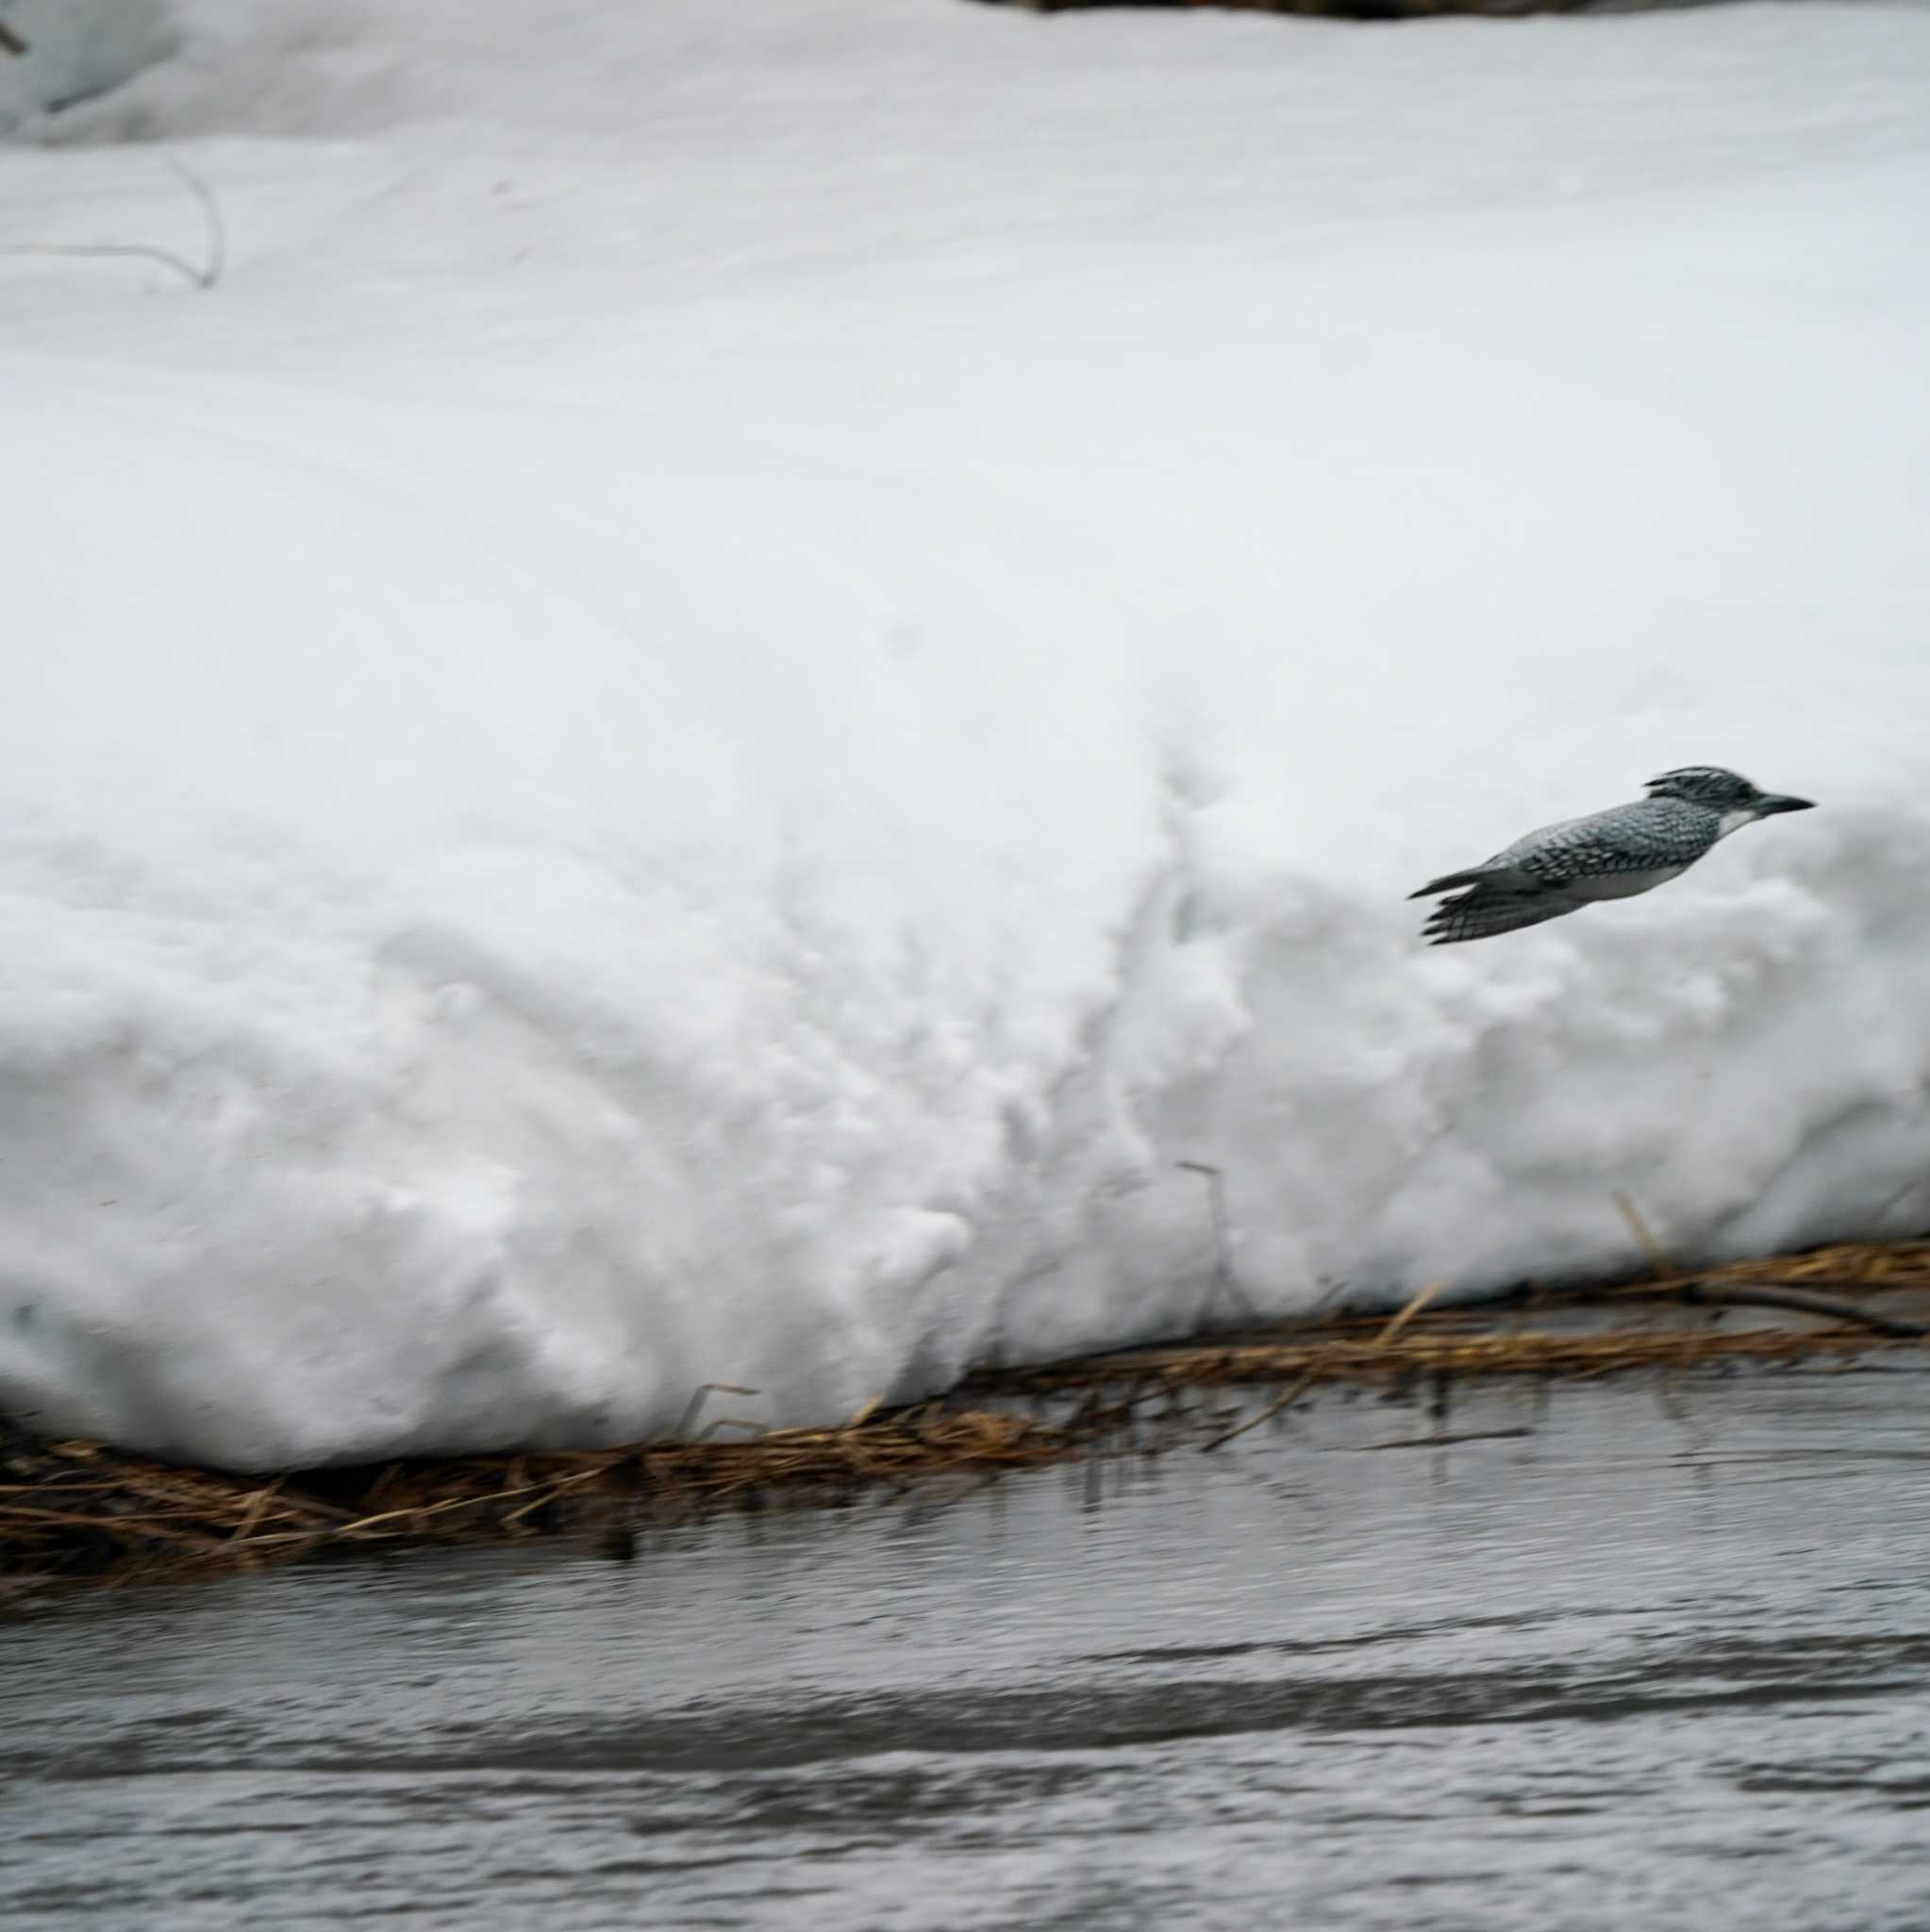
point(1624, 885)
point(1733, 818)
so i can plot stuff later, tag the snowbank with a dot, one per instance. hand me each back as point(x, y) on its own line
point(753, 667)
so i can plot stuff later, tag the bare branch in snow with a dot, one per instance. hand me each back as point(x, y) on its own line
point(207, 276)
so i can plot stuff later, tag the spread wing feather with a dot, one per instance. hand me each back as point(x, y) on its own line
point(1494, 905)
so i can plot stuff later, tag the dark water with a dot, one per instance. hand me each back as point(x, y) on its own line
point(1662, 1661)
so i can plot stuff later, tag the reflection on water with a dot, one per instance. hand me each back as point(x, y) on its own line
point(1642, 1656)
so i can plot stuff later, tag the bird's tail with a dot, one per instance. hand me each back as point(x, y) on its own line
point(1489, 909)
point(1449, 881)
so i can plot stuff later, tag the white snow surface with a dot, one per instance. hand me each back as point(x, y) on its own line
point(758, 661)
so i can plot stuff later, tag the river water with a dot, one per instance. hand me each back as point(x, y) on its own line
point(1647, 1654)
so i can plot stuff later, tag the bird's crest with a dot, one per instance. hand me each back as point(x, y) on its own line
point(1703, 785)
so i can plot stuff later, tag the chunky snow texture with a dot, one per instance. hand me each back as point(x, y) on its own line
point(759, 662)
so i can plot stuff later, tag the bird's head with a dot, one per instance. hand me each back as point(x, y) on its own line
point(1728, 792)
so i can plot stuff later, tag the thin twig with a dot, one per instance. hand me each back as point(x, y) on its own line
point(556, 1490)
point(1408, 1314)
point(1445, 1442)
point(1223, 1283)
point(1644, 1238)
point(252, 1515)
point(1271, 1410)
point(699, 1396)
point(207, 277)
point(1775, 1295)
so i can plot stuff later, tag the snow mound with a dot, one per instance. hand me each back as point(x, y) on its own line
point(751, 672)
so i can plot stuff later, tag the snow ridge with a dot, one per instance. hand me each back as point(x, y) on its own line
point(665, 747)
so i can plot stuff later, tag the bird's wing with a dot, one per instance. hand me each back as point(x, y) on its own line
point(1499, 904)
point(1507, 867)
point(1651, 835)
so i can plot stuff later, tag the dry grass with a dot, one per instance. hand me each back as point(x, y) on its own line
point(83, 1509)
point(1852, 1287)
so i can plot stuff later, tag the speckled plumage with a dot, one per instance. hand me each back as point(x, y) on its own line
point(1608, 855)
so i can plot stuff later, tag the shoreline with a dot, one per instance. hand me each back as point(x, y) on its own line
point(77, 1512)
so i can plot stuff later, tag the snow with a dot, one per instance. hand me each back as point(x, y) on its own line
point(756, 663)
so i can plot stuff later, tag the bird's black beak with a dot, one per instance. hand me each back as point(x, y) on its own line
point(1780, 801)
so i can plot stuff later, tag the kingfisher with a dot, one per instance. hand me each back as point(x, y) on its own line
point(1609, 855)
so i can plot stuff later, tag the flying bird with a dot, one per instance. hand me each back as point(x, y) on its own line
point(1609, 855)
